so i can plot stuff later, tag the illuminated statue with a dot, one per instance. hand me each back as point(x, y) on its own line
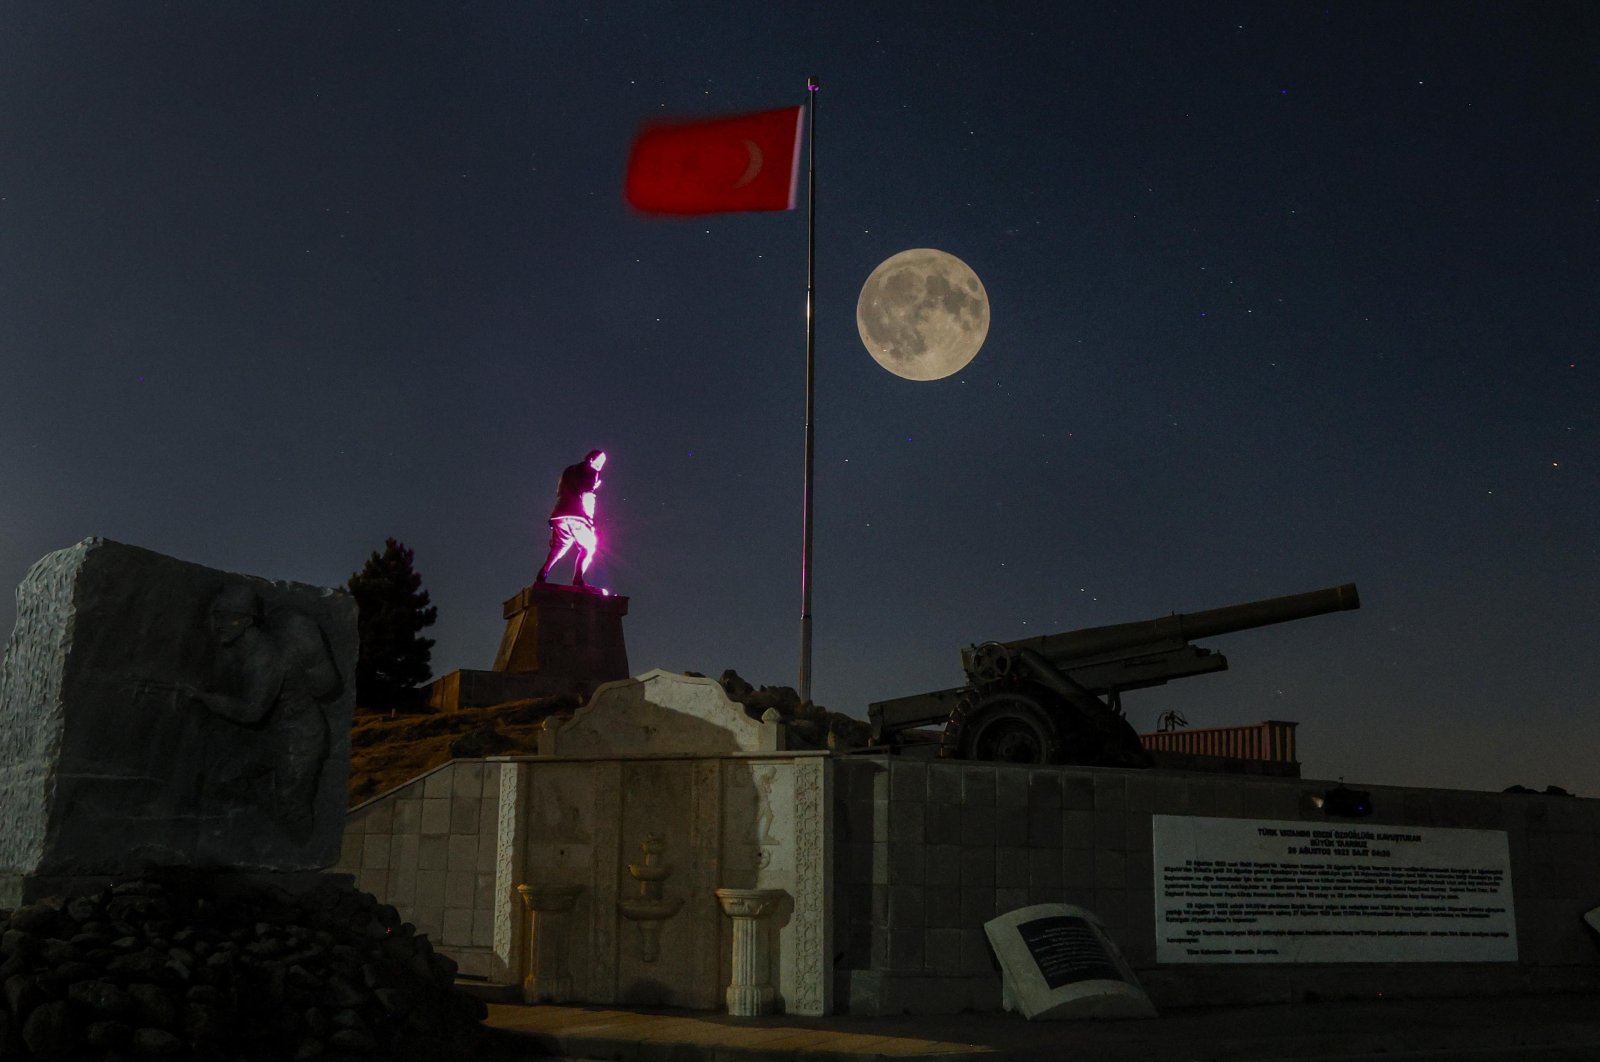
point(572, 519)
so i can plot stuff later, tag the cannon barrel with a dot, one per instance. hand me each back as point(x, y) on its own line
point(1179, 628)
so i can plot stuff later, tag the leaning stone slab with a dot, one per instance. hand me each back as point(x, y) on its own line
point(159, 713)
point(1058, 962)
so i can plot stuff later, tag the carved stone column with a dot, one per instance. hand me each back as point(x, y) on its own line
point(750, 993)
point(548, 980)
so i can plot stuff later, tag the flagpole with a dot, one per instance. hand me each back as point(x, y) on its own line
point(811, 387)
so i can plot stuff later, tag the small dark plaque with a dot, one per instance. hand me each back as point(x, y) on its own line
point(1066, 949)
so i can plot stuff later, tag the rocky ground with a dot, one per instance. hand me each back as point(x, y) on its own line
point(216, 967)
point(387, 751)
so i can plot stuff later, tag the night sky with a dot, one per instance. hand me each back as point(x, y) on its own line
point(1284, 295)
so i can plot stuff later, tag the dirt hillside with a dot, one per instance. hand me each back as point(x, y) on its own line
point(388, 751)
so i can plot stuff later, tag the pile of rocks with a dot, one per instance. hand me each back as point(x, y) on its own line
point(217, 966)
point(810, 725)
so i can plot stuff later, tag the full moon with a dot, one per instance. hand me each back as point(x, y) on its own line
point(923, 314)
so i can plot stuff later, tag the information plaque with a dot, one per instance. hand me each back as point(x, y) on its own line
point(1246, 890)
point(1057, 962)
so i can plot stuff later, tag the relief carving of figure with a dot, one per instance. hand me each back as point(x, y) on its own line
point(764, 779)
point(272, 675)
point(561, 820)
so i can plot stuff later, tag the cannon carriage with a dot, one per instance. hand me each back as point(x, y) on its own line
point(1057, 698)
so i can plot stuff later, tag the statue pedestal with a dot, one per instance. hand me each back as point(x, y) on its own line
point(566, 631)
point(749, 993)
point(558, 640)
point(548, 979)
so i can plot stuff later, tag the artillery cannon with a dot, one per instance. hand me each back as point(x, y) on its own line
point(1057, 698)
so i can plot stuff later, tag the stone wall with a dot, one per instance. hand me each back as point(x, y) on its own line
point(742, 821)
point(922, 854)
point(449, 849)
point(927, 852)
point(429, 849)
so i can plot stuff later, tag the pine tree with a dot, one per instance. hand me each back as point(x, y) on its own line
point(393, 659)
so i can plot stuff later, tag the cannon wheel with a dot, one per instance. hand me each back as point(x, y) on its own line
point(1002, 727)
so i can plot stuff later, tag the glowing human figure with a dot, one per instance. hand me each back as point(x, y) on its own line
point(572, 519)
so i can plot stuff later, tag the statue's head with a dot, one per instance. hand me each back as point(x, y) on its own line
point(233, 611)
point(596, 459)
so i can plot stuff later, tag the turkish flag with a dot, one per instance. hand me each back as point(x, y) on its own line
point(717, 165)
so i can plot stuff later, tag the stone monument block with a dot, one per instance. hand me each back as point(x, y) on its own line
point(155, 712)
point(1057, 962)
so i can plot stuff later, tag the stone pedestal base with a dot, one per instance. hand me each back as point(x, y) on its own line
point(558, 641)
point(749, 993)
point(566, 631)
point(548, 979)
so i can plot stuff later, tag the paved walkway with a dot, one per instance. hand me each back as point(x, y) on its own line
point(1539, 1029)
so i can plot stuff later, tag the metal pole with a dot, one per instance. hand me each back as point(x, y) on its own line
point(811, 387)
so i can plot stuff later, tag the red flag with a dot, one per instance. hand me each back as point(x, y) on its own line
point(717, 165)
